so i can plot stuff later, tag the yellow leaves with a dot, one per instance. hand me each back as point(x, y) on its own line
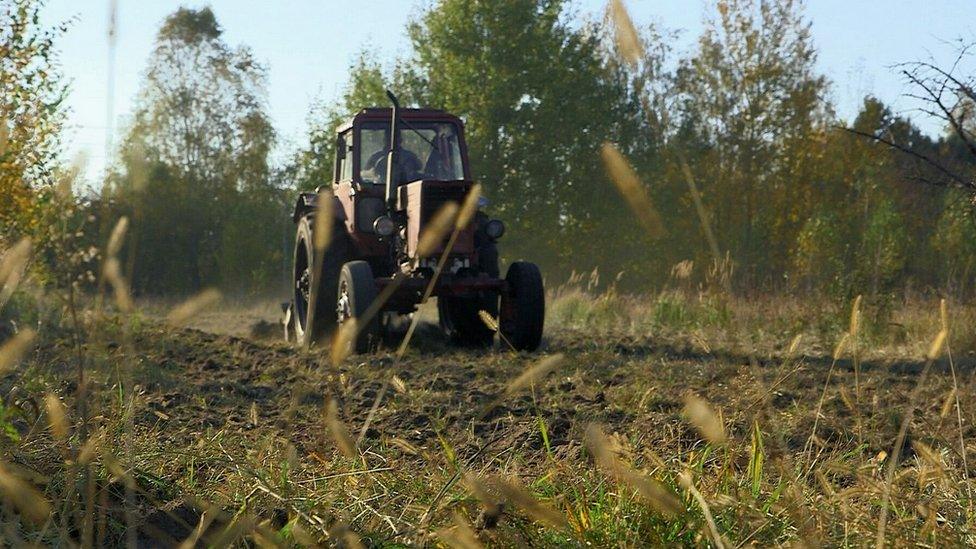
point(632, 190)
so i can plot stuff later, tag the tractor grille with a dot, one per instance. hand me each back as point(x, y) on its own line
point(434, 199)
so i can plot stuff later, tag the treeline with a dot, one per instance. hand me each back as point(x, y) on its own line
point(798, 199)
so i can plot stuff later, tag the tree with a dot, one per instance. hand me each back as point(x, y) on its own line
point(752, 95)
point(539, 97)
point(31, 116)
point(194, 172)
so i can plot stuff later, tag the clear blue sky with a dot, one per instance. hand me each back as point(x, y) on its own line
point(308, 46)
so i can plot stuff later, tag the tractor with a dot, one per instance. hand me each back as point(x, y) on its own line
point(395, 168)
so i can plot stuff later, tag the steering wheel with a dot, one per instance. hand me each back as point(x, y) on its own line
point(410, 165)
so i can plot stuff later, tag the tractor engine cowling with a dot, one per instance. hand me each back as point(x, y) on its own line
point(422, 200)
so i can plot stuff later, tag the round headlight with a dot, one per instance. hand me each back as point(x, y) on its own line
point(384, 226)
point(494, 229)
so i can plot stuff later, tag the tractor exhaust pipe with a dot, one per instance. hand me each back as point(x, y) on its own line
point(393, 156)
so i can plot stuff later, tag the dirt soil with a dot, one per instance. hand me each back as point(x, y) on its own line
point(212, 408)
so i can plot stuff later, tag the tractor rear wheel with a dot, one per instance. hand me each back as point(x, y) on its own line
point(523, 309)
point(356, 292)
point(461, 321)
point(313, 314)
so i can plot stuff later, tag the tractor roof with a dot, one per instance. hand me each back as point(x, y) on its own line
point(382, 114)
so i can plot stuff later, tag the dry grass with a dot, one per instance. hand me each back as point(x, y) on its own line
point(262, 434)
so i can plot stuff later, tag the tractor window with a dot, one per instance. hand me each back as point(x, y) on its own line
point(344, 156)
point(431, 152)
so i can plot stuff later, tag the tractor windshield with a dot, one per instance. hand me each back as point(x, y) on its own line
point(429, 150)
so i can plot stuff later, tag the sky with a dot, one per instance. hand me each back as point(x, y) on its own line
point(309, 45)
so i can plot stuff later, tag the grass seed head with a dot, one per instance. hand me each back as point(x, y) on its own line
point(841, 345)
point(57, 416)
point(12, 268)
point(534, 373)
point(468, 208)
point(339, 432)
point(461, 536)
point(700, 413)
point(628, 41)
point(855, 317)
point(342, 341)
point(191, 307)
point(117, 238)
point(323, 221)
point(529, 504)
point(488, 320)
point(113, 273)
point(14, 349)
point(651, 491)
point(944, 314)
point(936, 349)
point(24, 497)
point(632, 190)
point(437, 229)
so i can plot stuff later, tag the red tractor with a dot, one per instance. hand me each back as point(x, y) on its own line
point(395, 168)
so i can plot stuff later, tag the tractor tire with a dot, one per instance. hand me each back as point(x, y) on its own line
point(461, 322)
point(356, 292)
point(523, 309)
point(313, 312)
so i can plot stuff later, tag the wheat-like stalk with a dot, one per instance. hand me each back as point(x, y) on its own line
point(434, 232)
point(460, 536)
point(57, 416)
point(14, 349)
point(534, 373)
point(30, 502)
point(339, 432)
point(529, 504)
point(117, 238)
point(113, 273)
point(700, 414)
point(488, 320)
point(342, 341)
point(628, 41)
point(12, 268)
point(651, 491)
point(468, 208)
point(632, 190)
point(323, 222)
point(191, 307)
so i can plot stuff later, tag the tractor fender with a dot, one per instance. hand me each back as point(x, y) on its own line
point(308, 203)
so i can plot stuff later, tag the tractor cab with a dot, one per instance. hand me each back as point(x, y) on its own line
point(431, 147)
point(395, 170)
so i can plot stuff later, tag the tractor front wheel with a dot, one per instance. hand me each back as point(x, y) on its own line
point(523, 309)
point(356, 292)
point(312, 313)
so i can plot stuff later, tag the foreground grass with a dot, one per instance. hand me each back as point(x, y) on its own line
point(216, 439)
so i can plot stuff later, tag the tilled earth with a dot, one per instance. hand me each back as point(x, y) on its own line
point(221, 418)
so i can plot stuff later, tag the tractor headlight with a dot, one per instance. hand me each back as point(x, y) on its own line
point(384, 226)
point(494, 229)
